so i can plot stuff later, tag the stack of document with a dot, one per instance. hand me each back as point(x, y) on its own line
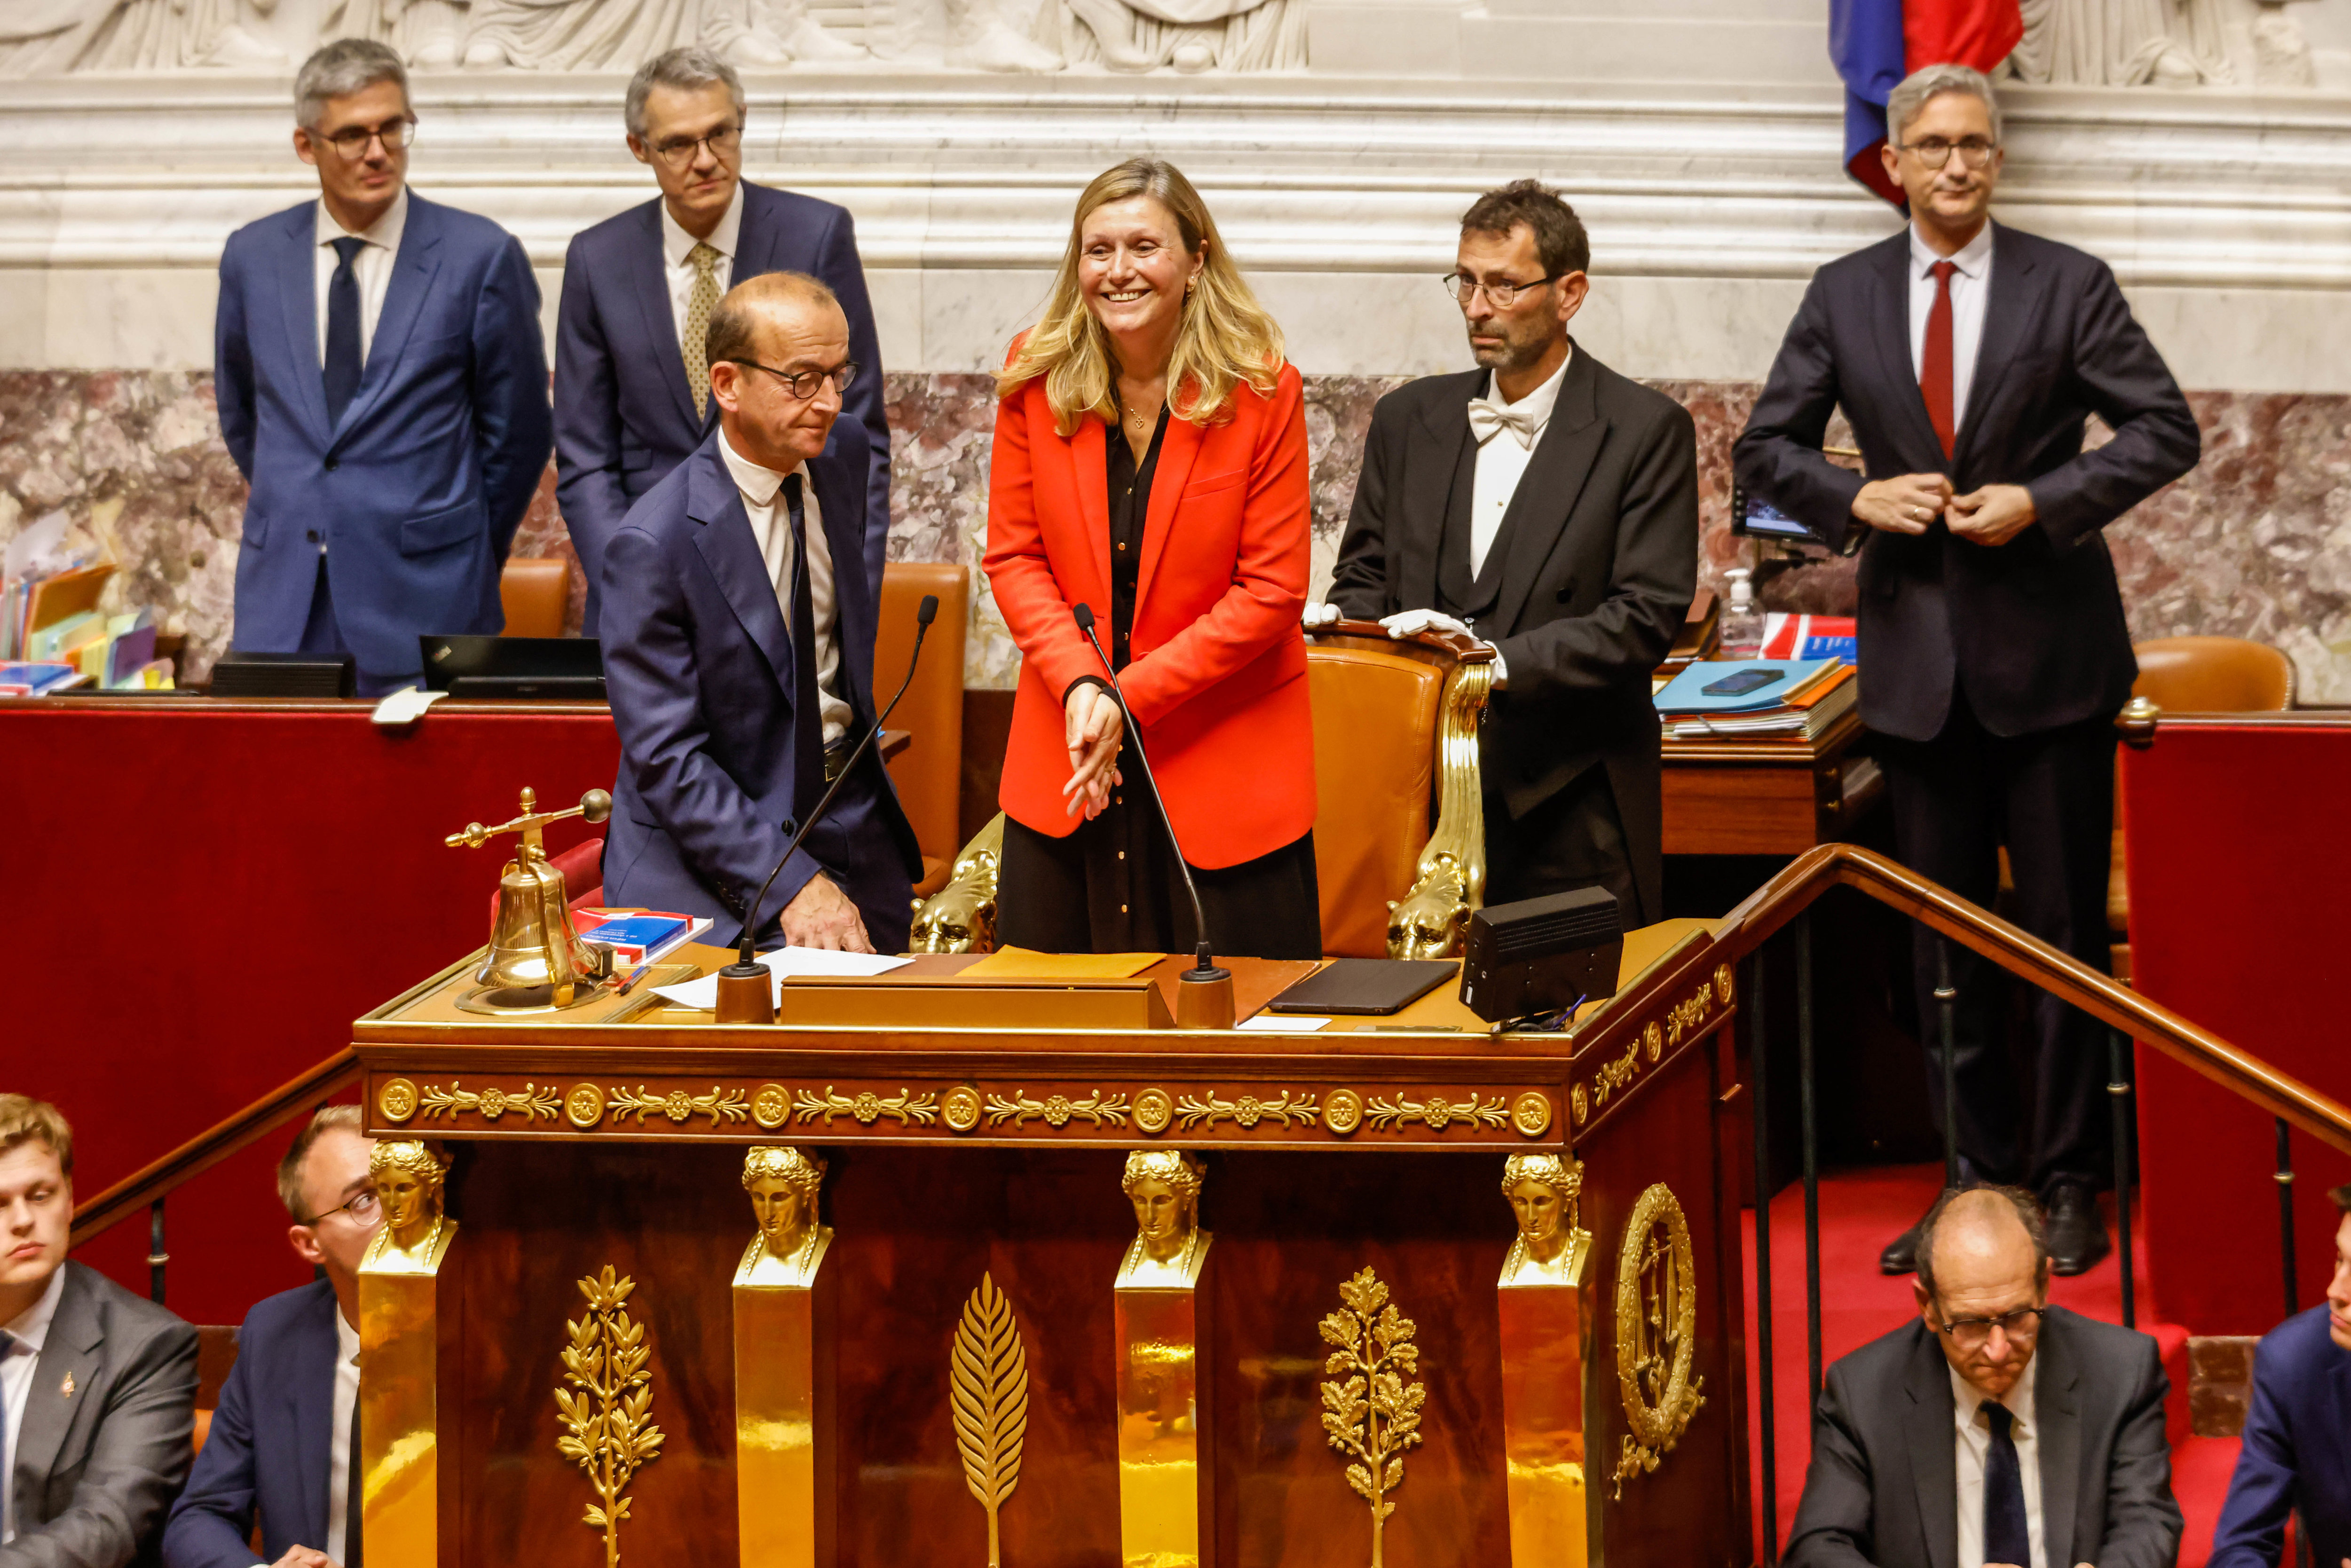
point(1764, 699)
point(1810, 637)
point(49, 615)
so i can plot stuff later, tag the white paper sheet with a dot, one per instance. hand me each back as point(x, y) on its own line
point(703, 994)
point(1282, 1022)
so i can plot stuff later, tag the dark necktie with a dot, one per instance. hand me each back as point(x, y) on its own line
point(344, 361)
point(354, 1495)
point(808, 722)
point(2005, 1538)
point(1935, 366)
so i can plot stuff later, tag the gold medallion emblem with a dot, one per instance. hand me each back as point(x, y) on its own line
point(397, 1099)
point(1657, 1332)
point(770, 1105)
point(959, 1108)
point(1724, 988)
point(584, 1106)
point(1652, 1040)
point(1343, 1111)
point(1531, 1113)
point(1583, 1104)
point(1153, 1110)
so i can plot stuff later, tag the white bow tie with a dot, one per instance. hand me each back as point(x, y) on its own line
point(1486, 418)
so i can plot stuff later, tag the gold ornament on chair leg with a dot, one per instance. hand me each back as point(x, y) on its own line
point(1368, 1409)
point(990, 1370)
point(1657, 1332)
point(605, 1430)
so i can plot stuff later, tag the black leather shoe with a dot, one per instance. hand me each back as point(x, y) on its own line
point(1901, 1254)
point(2077, 1232)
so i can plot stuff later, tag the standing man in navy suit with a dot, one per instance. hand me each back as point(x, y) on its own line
point(382, 384)
point(2298, 1454)
point(1969, 357)
point(739, 615)
point(282, 1441)
point(632, 387)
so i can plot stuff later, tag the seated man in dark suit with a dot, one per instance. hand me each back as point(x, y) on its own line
point(284, 1441)
point(631, 385)
point(98, 1387)
point(738, 649)
point(1995, 1432)
point(2297, 1452)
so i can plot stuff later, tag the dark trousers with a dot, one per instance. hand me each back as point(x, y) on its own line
point(1575, 839)
point(1113, 887)
point(321, 635)
point(2050, 797)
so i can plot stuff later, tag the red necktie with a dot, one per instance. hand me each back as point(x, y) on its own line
point(1935, 363)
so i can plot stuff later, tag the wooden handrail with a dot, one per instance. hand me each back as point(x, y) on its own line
point(1781, 900)
point(293, 1098)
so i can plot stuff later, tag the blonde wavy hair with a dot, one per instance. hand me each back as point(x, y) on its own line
point(1226, 338)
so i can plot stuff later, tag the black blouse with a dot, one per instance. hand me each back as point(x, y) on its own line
point(1130, 507)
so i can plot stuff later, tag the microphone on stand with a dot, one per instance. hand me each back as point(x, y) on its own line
point(745, 994)
point(1204, 998)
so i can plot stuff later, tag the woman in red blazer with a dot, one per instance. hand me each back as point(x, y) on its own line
point(1150, 463)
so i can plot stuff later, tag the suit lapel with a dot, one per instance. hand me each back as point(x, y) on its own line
point(1439, 446)
point(73, 1349)
point(732, 554)
point(649, 281)
point(2056, 1405)
point(1088, 456)
point(1539, 513)
point(1933, 1451)
point(403, 302)
point(310, 1410)
point(1891, 313)
point(1178, 451)
point(2014, 302)
point(298, 293)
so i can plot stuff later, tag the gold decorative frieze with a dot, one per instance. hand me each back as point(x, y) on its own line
point(1369, 1411)
point(584, 1106)
point(396, 1100)
point(1056, 1110)
point(1657, 1332)
point(532, 1102)
point(1531, 1113)
point(989, 1375)
point(721, 1105)
point(1438, 1113)
point(1153, 1110)
point(1206, 1110)
point(906, 1107)
point(1343, 1111)
point(1689, 1016)
point(772, 1107)
point(605, 1429)
point(959, 1108)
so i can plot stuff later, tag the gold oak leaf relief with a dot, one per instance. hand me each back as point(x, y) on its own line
point(989, 1375)
point(604, 1408)
point(1369, 1411)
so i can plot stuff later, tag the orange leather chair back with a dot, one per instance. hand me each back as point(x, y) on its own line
point(2213, 674)
point(929, 772)
point(1375, 760)
point(534, 594)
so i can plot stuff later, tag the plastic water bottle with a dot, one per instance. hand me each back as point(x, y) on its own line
point(1742, 620)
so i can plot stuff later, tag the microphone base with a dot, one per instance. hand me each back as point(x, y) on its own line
point(1204, 998)
point(745, 994)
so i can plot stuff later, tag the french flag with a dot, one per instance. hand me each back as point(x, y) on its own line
point(1875, 43)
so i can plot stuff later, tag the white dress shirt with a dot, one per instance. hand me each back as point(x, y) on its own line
point(677, 245)
point(771, 526)
point(1970, 288)
point(339, 1446)
point(30, 1331)
point(371, 268)
point(1502, 460)
point(1974, 1448)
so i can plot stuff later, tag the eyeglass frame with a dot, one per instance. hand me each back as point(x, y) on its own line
point(367, 134)
point(1918, 150)
point(365, 1194)
point(845, 373)
point(1951, 1329)
point(1461, 297)
point(681, 154)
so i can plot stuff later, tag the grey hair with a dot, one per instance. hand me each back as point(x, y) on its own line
point(685, 69)
point(342, 68)
point(2026, 1208)
point(1911, 96)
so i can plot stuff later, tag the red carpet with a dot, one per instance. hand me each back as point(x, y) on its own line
point(1861, 1211)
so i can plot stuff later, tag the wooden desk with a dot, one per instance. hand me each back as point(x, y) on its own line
point(1725, 797)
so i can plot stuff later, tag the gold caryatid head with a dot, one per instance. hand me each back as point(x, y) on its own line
point(1163, 1184)
point(408, 1177)
point(783, 1184)
point(1543, 1189)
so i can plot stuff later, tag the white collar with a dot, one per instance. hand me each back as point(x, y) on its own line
point(759, 484)
point(1537, 405)
point(1970, 258)
point(385, 231)
point(346, 1338)
point(677, 244)
point(2019, 1399)
point(31, 1329)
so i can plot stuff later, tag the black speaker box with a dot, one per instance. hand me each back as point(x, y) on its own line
point(236, 675)
point(1541, 955)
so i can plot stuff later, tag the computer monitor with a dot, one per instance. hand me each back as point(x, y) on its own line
point(514, 666)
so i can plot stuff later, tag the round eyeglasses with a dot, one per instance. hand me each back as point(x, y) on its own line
point(678, 151)
point(363, 1207)
point(353, 140)
point(803, 384)
point(1934, 152)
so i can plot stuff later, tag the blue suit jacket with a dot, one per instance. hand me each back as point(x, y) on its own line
point(270, 1442)
point(2297, 1451)
point(418, 491)
point(623, 414)
point(698, 662)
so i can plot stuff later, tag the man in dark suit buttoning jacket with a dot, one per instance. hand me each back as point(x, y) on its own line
point(632, 387)
point(1969, 355)
point(738, 649)
point(1549, 505)
point(284, 1442)
point(1997, 1430)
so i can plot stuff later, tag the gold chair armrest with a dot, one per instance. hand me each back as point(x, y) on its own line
point(1449, 879)
point(961, 916)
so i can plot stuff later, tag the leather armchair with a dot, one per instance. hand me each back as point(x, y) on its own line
point(535, 593)
point(928, 772)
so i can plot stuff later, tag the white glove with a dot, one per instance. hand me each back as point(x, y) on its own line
point(1319, 613)
point(1412, 621)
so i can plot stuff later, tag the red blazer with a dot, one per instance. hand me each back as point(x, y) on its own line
point(1218, 677)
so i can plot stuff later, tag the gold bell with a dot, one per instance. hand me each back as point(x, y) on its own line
point(536, 959)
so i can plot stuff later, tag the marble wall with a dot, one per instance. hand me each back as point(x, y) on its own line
point(2255, 543)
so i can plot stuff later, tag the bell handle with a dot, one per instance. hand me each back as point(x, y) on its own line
point(596, 806)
